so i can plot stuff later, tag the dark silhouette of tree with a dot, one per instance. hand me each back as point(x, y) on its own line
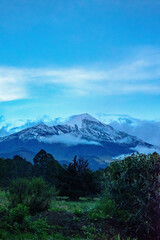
point(46, 166)
point(14, 168)
point(23, 167)
point(77, 180)
point(74, 180)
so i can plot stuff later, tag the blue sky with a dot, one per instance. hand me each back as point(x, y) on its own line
point(65, 57)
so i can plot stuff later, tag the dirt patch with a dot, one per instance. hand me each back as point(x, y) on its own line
point(65, 222)
point(70, 225)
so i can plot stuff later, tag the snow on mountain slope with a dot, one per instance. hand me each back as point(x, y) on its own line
point(80, 129)
point(80, 120)
point(82, 135)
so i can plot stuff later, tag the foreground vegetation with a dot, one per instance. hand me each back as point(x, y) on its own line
point(120, 202)
point(64, 220)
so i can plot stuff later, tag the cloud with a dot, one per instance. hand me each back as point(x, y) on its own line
point(147, 130)
point(146, 150)
point(68, 140)
point(141, 74)
point(12, 84)
point(3, 132)
point(3, 127)
point(7, 128)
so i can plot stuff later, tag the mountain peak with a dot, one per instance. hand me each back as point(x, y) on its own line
point(80, 119)
point(40, 125)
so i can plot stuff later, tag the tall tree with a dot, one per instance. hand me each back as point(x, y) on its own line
point(23, 167)
point(77, 180)
point(46, 166)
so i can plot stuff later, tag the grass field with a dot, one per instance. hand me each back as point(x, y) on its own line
point(79, 207)
point(68, 220)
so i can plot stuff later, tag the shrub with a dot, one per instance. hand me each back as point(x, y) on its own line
point(15, 219)
point(18, 220)
point(18, 214)
point(18, 191)
point(108, 205)
point(133, 184)
point(40, 226)
point(35, 194)
point(40, 195)
point(105, 208)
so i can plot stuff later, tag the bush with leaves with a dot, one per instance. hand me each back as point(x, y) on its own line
point(18, 191)
point(36, 194)
point(40, 195)
point(18, 213)
point(15, 218)
point(40, 226)
point(134, 184)
point(18, 220)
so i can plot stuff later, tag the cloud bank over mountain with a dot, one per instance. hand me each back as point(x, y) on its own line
point(148, 130)
point(68, 140)
point(7, 128)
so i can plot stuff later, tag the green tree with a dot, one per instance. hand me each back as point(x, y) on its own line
point(14, 168)
point(23, 168)
point(46, 166)
point(77, 180)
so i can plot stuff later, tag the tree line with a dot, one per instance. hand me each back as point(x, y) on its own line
point(73, 181)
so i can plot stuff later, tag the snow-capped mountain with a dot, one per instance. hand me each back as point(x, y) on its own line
point(81, 135)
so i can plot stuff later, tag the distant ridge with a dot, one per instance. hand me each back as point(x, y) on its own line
point(81, 135)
